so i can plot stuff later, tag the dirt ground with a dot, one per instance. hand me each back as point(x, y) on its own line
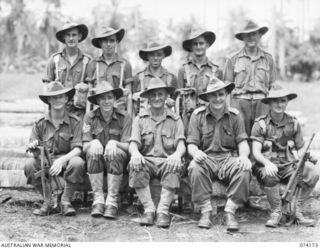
point(18, 224)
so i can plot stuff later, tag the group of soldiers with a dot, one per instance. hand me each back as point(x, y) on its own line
point(203, 126)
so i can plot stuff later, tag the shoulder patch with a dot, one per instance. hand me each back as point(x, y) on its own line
point(74, 116)
point(233, 110)
point(121, 112)
point(87, 55)
point(260, 118)
point(200, 109)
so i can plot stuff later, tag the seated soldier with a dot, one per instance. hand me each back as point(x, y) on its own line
point(106, 133)
point(60, 133)
point(156, 148)
point(216, 136)
point(275, 137)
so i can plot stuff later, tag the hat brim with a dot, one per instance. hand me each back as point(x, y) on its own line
point(290, 96)
point(209, 36)
point(83, 29)
point(69, 91)
point(118, 93)
point(119, 35)
point(169, 89)
point(262, 31)
point(229, 87)
point(143, 53)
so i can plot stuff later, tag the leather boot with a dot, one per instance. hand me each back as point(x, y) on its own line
point(67, 209)
point(163, 218)
point(45, 209)
point(300, 219)
point(149, 208)
point(205, 220)
point(96, 181)
point(114, 182)
point(231, 222)
point(274, 199)
point(147, 219)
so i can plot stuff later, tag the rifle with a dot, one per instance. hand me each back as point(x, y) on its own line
point(47, 179)
point(291, 194)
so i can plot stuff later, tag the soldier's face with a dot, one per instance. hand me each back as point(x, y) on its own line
point(251, 40)
point(106, 101)
point(58, 102)
point(278, 106)
point(72, 38)
point(109, 44)
point(157, 98)
point(199, 46)
point(217, 99)
point(155, 58)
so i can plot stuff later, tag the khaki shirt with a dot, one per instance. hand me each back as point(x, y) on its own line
point(59, 140)
point(69, 75)
point(110, 72)
point(157, 138)
point(250, 75)
point(190, 75)
point(216, 136)
point(264, 129)
point(143, 78)
point(95, 127)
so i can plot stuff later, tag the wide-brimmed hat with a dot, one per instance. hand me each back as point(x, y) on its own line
point(208, 35)
point(279, 92)
point(106, 32)
point(83, 29)
point(55, 88)
point(154, 46)
point(249, 28)
point(215, 85)
point(104, 87)
point(156, 83)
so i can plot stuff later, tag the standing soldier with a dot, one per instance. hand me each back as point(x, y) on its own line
point(253, 71)
point(217, 142)
point(277, 141)
point(106, 134)
point(110, 66)
point(69, 66)
point(156, 148)
point(60, 132)
point(197, 71)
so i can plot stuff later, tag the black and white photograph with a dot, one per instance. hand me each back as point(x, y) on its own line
point(159, 121)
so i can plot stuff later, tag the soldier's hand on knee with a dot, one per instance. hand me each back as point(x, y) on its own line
point(111, 150)
point(200, 156)
point(136, 162)
point(173, 163)
point(96, 149)
point(33, 148)
point(271, 169)
point(244, 163)
point(56, 167)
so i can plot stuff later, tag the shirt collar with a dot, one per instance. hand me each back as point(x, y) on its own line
point(168, 113)
point(260, 54)
point(66, 118)
point(207, 62)
point(114, 59)
point(99, 115)
point(282, 123)
point(225, 112)
point(148, 71)
point(80, 54)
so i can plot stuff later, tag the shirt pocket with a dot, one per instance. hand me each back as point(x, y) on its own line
point(240, 72)
point(115, 134)
point(115, 79)
point(167, 141)
point(97, 133)
point(147, 141)
point(263, 74)
point(227, 138)
point(205, 81)
point(62, 71)
point(206, 140)
point(64, 142)
point(77, 71)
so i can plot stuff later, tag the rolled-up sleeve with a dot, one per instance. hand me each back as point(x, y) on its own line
point(77, 136)
point(179, 132)
point(240, 131)
point(193, 130)
point(135, 133)
point(126, 130)
point(257, 133)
